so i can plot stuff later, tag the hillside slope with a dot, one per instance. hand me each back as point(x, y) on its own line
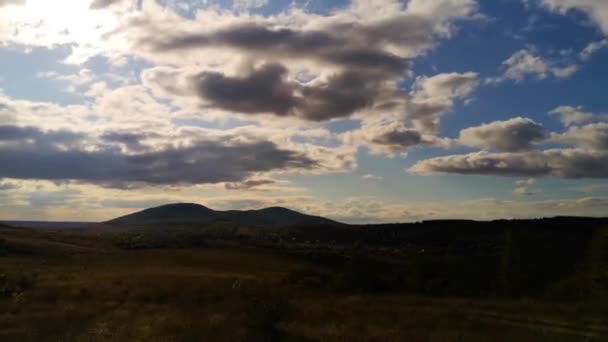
point(195, 214)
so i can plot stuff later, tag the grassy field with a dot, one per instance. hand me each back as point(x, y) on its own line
point(78, 287)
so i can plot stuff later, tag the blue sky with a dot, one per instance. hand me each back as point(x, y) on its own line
point(362, 111)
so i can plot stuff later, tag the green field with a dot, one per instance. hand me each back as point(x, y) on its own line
point(63, 286)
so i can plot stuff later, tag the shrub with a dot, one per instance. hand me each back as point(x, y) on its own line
point(132, 242)
point(14, 285)
point(308, 277)
point(3, 246)
point(266, 307)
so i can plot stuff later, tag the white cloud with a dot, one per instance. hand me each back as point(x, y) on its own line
point(434, 96)
point(564, 72)
point(525, 188)
point(597, 10)
point(529, 181)
point(370, 176)
point(248, 4)
point(524, 63)
point(525, 191)
point(446, 86)
point(527, 63)
point(569, 115)
point(591, 137)
point(593, 48)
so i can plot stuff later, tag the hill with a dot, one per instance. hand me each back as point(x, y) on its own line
point(196, 214)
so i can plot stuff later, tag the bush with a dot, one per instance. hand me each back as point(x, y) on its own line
point(266, 307)
point(309, 277)
point(13, 286)
point(351, 279)
point(574, 288)
point(132, 242)
point(3, 246)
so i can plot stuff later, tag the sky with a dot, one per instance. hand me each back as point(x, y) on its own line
point(363, 111)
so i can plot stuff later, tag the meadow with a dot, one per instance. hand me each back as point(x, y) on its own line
point(83, 286)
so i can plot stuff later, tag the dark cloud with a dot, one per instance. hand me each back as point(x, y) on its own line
point(324, 46)
point(567, 163)
point(8, 133)
point(513, 135)
point(366, 68)
point(341, 96)
point(201, 162)
point(263, 91)
point(125, 138)
point(131, 140)
point(19, 134)
point(266, 90)
point(249, 184)
point(498, 164)
point(399, 137)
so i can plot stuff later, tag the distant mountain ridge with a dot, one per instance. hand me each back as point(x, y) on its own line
point(192, 214)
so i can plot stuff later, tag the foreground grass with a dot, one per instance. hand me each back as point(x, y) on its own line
point(242, 294)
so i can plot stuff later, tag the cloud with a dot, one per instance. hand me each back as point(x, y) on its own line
point(392, 139)
point(134, 204)
point(525, 191)
point(523, 63)
point(413, 121)
point(292, 64)
point(100, 4)
point(564, 72)
point(370, 176)
point(564, 163)
point(4, 186)
point(20, 135)
point(132, 141)
point(447, 85)
point(249, 184)
point(434, 96)
point(597, 10)
point(11, 2)
point(263, 91)
point(260, 41)
point(248, 4)
point(529, 181)
point(569, 115)
point(513, 135)
point(524, 188)
point(592, 137)
point(593, 48)
point(29, 153)
point(401, 137)
point(527, 63)
point(268, 90)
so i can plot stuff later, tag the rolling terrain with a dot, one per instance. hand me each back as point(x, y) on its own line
point(193, 278)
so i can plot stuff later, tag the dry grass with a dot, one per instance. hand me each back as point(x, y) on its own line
point(228, 294)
